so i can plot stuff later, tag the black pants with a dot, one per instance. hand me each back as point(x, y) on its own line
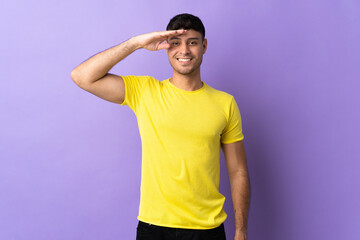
point(146, 231)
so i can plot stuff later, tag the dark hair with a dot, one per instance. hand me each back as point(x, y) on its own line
point(186, 21)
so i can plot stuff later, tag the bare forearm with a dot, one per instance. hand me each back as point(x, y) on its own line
point(240, 192)
point(98, 65)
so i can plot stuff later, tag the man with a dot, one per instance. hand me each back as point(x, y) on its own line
point(183, 124)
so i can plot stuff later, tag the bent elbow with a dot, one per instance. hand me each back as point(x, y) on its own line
point(75, 77)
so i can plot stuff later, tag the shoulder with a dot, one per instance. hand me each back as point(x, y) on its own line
point(140, 80)
point(139, 77)
point(219, 95)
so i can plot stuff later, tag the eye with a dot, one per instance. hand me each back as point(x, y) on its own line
point(193, 43)
point(175, 43)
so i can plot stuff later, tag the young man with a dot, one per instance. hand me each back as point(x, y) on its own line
point(183, 124)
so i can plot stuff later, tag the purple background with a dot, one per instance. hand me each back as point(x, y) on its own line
point(70, 162)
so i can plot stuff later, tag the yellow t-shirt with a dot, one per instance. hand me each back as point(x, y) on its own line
point(181, 133)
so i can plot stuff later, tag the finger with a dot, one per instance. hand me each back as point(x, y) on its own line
point(171, 33)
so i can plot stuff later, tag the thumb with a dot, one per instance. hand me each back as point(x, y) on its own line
point(163, 45)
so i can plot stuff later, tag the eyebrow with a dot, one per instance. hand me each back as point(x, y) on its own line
point(177, 38)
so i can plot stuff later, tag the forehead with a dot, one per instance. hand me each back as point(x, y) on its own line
point(190, 34)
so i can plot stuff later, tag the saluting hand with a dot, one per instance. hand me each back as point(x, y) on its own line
point(155, 41)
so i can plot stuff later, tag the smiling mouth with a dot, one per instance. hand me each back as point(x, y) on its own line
point(184, 59)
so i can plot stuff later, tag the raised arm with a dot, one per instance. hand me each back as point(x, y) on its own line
point(92, 75)
point(235, 158)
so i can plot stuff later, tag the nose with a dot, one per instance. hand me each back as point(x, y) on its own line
point(184, 49)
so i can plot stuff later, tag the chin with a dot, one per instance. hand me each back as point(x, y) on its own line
point(185, 72)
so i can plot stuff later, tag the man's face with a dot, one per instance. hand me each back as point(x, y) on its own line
point(186, 51)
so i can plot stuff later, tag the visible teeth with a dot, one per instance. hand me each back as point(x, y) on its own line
point(183, 59)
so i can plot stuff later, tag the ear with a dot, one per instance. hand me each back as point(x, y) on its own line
point(204, 45)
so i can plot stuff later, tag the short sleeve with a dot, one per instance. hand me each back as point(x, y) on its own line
point(233, 129)
point(134, 86)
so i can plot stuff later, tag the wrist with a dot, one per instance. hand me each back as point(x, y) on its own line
point(241, 230)
point(132, 44)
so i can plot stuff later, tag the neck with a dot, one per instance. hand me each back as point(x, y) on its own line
point(189, 82)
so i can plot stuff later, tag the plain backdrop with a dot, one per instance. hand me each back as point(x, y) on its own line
point(70, 162)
